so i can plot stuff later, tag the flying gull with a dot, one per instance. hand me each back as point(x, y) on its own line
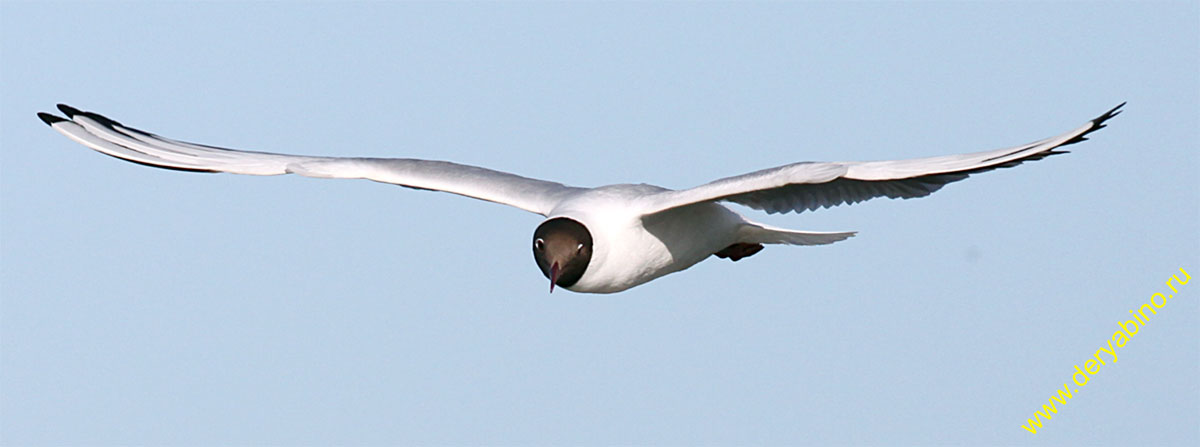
point(610, 238)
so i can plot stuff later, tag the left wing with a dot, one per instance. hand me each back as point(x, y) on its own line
point(811, 185)
point(112, 138)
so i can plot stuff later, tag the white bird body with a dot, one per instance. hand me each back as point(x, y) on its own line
point(610, 238)
point(631, 250)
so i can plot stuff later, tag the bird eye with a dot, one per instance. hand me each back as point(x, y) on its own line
point(539, 244)
point(579, 248)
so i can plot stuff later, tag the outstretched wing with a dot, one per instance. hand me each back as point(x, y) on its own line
point(113, 138)
point(811, 185)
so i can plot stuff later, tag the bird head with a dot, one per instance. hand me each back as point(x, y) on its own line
point(562, 248)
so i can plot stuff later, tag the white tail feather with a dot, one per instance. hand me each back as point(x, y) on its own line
point(756, 233)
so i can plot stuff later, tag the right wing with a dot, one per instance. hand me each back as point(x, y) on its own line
point(112, 138)
point(810, 185)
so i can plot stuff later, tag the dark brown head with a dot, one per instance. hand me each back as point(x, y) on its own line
point(562, 248)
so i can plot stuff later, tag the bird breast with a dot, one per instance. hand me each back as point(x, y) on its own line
point(629, 249)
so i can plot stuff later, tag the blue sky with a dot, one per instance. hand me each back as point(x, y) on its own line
point(142, 306)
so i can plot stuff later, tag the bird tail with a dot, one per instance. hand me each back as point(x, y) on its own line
point(756, 233)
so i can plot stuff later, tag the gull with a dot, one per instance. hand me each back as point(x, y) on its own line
point(609, 238)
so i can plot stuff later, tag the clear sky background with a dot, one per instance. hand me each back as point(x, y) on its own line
point(153, 307)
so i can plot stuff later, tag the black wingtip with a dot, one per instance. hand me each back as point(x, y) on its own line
point(1099, 121)
point(70, 111)
point(50, 119)
point(1097, 124)
point(101, 118)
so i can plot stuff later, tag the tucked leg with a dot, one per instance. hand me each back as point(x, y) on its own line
point(738, 251)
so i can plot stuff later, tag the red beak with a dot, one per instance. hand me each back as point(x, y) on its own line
point(553, 276)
